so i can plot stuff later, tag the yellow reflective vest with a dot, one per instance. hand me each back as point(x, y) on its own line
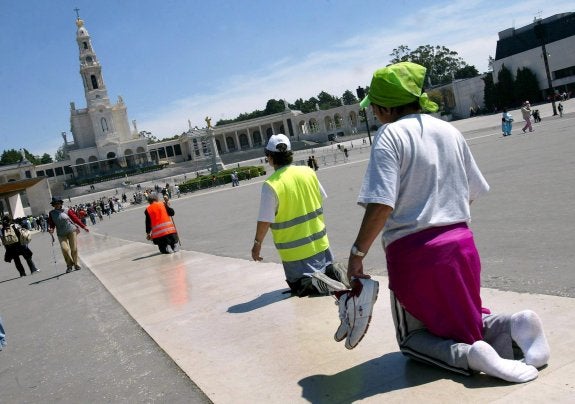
point(162, 224)
point(299, 228)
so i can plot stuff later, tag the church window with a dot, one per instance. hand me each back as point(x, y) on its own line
point(59, 171)
point(89, 59)
point(178, 150)
point(104, 124)
point(170, 151)
point(94, 82)
point(85, 45)
point(40, 173)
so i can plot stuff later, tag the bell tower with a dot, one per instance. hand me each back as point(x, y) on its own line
point(90, 68)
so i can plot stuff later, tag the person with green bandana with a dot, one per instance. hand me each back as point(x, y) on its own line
point(420, 181)
point(292, 206)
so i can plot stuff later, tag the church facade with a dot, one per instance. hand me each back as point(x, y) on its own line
point(103, 141)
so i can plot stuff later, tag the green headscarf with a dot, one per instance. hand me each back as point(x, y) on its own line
point(399, 84)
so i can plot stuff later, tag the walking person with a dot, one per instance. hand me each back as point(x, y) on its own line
point(560, 109)
point(67, 226)
point(160, 228)
point(10, 234)
point(420, 181)
point(291, 205)
point(526, 113)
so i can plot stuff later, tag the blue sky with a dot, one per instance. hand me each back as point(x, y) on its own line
point(179, 60)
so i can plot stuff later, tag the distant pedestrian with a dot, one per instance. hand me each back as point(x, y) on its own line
point(536, 116)
point(506, 122)
point(2, 335)
point(560, 109)
point(67, 225)
point(10, 233)
point(235, 179)
point(315, 166)
point(526, 112)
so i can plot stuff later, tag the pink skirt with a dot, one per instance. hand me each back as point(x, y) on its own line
point(435, 275)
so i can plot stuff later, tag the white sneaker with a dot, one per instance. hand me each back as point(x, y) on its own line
point(325, 284)
point(359, 309)
point(339, 272)
point(343, 328)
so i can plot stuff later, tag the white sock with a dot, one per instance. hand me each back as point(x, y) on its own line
point(527, 332)
point(484, 358)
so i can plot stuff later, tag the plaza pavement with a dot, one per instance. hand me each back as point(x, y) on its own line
point(225, 321)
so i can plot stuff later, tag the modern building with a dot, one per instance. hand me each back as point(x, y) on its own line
point(523, 47)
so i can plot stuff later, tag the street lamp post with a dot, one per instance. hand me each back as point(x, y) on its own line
point(540, 34)
point(361, 95)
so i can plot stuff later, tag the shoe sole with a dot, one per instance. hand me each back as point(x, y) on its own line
point(374, 299)
point(332, 284)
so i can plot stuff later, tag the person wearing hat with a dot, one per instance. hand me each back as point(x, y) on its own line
point(420, 181)
point(526, 113)
point(291, 205)
point(160, 227)
point(67, 225)
point(10, 236)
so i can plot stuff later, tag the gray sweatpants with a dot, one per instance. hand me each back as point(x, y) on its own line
point(416, 342)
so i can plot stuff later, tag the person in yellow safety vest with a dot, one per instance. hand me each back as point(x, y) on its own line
point(160, 227)
point(291, 205)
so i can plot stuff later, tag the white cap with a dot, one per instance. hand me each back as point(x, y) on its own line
point(276, 140)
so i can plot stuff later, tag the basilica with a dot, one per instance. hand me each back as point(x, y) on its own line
point(103, 143)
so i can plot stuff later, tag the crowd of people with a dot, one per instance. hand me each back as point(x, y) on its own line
point(416, 193)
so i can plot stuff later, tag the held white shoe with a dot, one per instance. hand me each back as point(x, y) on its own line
point(359, 307)
point(343, 328)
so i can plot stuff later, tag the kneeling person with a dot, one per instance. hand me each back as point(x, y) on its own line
point(160, 227)
point(291, 205)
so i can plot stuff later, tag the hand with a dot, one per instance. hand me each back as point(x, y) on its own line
point(148, 236)
point(355, 268)
point(87, 230)
point(256, 252)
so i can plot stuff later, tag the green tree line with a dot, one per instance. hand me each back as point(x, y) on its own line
point(509, 91)
point(443, 65)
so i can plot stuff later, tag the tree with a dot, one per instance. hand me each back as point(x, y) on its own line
point(46, 159)
point(442, 64)
point(526, 86)
point(489, 93)
point(490, 62)
point(274, 106)
point(466, 72)
point(11, 156)
point(505, 87)
point(349, 98)
point(327, 101)
point(61, 154)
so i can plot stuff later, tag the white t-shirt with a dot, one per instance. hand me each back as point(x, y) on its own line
point(421, 167)
point(269, 203)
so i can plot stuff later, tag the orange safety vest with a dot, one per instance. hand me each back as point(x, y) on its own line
point(162, 224)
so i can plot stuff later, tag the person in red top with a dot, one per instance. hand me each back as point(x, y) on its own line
point(160, 227)
point(67, 226)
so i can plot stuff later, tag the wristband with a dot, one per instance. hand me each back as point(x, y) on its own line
point(256, 242)
point(356, 252)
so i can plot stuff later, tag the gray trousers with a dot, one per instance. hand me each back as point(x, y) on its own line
point(416, 342)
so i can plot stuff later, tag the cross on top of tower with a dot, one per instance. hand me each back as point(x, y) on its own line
point(77, 12)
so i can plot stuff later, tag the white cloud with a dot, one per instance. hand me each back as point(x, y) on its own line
point(468, 27)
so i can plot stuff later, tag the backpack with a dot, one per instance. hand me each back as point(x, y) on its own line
point(9, 236)
point(25, 236)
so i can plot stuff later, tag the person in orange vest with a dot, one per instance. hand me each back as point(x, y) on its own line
point(160, 227)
